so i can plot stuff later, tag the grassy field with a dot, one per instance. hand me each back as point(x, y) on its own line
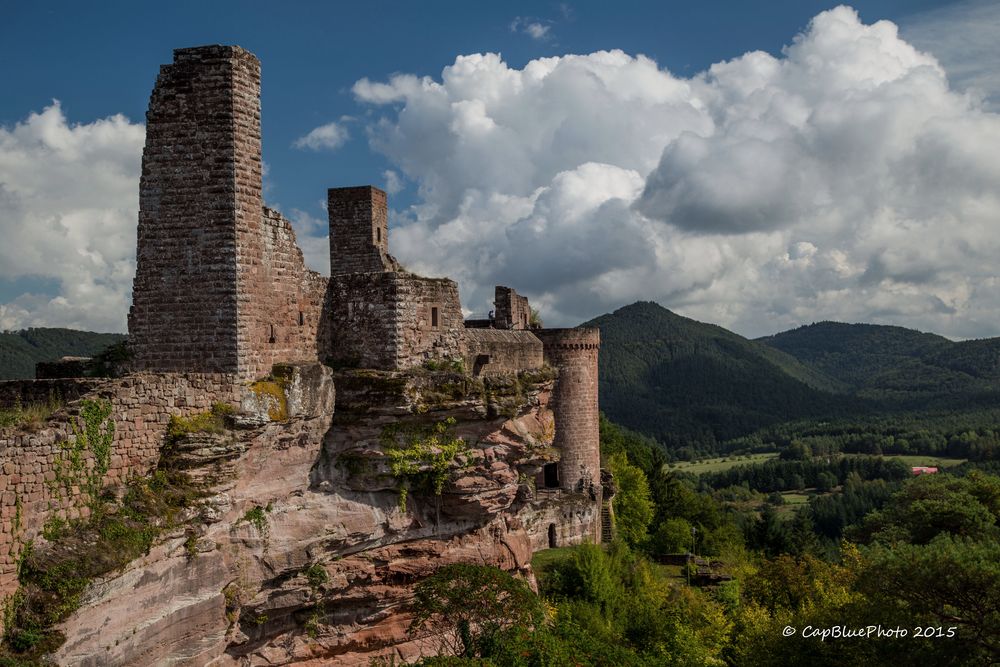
point(727, 462)
point(923, 460)
point(793, 498)
point(719, 464)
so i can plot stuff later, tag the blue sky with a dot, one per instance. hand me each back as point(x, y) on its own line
point(101, 59)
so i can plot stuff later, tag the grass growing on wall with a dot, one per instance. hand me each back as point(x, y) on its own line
point(31, 416)
point(211, 421)
point(53, 578)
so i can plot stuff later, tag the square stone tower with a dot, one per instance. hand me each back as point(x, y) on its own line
point(220, 285)
point(359, 230)
point(201, 182)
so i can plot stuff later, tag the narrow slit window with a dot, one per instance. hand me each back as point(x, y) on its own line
point(434, 317)
point(302, 318)
point(378, 234)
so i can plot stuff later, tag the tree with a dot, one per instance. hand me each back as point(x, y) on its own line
point(934, 504)
point(825, 482)
point(468, 606)
point(671, 537)
point(633, 504)
point(949, 582)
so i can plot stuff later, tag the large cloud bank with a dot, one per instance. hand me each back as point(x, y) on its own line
point(844, 180)
point(69, 196)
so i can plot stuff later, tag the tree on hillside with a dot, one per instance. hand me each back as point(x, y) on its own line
point(632, 503)
point(468, 606)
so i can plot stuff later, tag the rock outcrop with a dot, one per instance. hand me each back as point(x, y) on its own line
point(313, 529)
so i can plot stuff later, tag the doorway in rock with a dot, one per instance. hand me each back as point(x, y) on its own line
point(552, 536)
point(551, 475)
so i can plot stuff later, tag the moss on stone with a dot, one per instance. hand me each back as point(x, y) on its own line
point(421, 456)
point(210, 421)
point(272, 391)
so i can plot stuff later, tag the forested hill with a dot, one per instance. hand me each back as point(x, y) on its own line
point(20, 350)
point(688, 383)
point(898, 366)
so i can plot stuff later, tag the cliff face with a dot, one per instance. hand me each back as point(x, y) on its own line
point(311, 530)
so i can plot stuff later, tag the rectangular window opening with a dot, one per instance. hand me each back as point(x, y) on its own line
point(434, 317)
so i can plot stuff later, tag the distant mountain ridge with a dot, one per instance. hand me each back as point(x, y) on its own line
point(894, 364)
point(21, 350)
point(679, 380)
point(685, 382)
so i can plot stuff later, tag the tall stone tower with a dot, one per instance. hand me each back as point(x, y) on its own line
point(359, 230)
point(574, 353)
point(200, 191)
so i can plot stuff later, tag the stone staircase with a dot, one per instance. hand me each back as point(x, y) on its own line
point(607, 523)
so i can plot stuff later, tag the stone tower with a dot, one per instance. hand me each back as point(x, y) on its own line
point(220, 285)
point(201, 183)
point(574, 353)
point(359, 230)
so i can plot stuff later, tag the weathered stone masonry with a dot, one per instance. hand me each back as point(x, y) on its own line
point(244, 300)
point(141, 408)
point(220, 284)
point(202, 151)
point(359, 231)
point(574, 353)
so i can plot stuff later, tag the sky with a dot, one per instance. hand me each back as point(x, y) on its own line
point(758, 165)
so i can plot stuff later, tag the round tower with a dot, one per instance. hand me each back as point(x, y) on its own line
point(574, 401)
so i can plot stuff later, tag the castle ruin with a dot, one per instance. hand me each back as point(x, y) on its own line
point(319, 380)
point(221, 286)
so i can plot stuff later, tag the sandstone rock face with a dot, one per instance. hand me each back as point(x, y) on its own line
point(307, 549)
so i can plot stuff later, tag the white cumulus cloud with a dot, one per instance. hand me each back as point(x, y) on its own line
point(842, 180)
point(325, 137)
point(536, 29)
point(69, 195)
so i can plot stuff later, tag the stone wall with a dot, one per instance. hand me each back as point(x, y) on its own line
point(574, 353)
point(430, 320)
point(491, 351)
point(512, 309)
point(393, 321)
point(141, 408)
point(29, 392)
point(201, 180)
point(559, 518)
point(280, 301)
